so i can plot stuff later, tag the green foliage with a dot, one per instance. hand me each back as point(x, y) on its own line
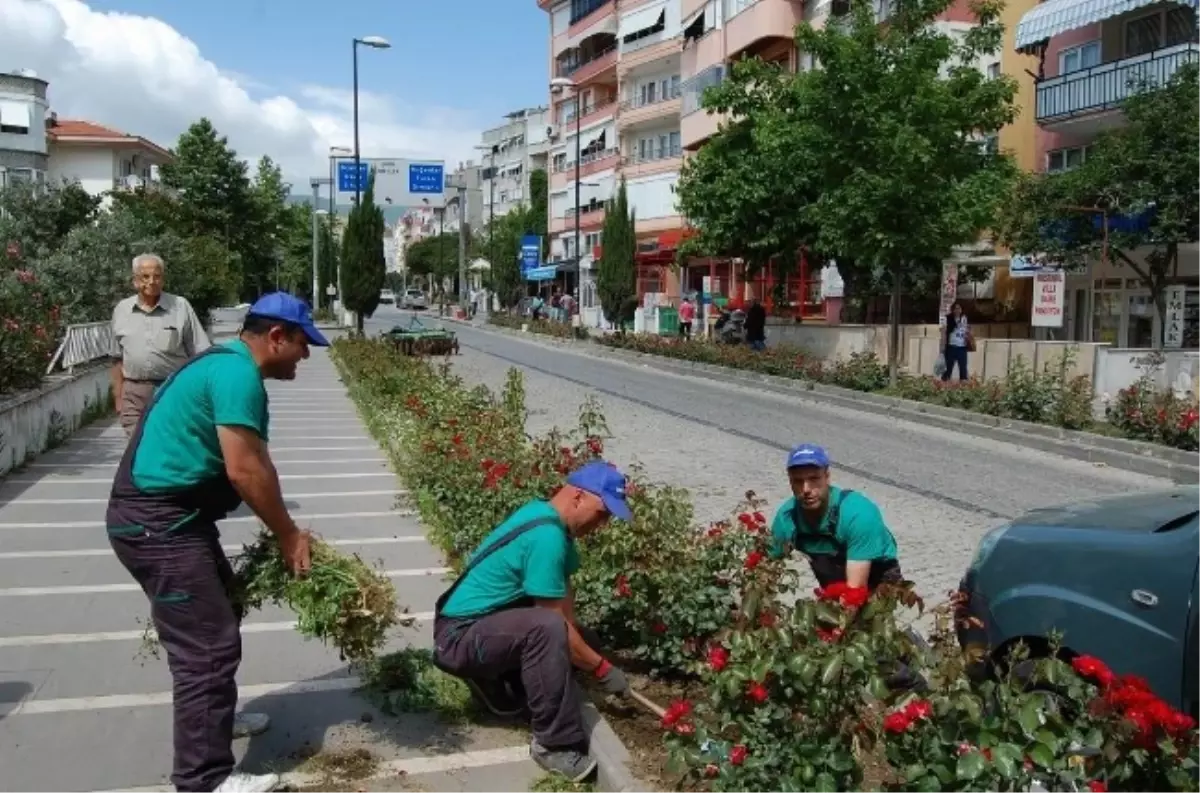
point(616, 276)
point(507, 232)
point(407, 681)
point(539, 207)
point(436, 257)
point(1143, 412)
point(39, 220)
point(363, 265)
point(546, 327)
point(329, 254)
point(29, 327)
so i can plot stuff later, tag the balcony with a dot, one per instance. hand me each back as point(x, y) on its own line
point(582, 9)
point(635, 112)
point(592, 67)
point(592, 162)
point(661, 160)
point(591, 114)
point(749, 24)
point(1080, 100)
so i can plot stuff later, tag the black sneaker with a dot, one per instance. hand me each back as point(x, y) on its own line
point(495, 697)
point(571, 763)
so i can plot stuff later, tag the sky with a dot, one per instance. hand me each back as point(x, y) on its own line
point(275, 76)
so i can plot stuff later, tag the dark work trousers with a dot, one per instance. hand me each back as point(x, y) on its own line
point(533, 643)
point(955, 356)
point(187, 578)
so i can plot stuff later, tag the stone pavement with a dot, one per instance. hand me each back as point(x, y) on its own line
point(78, 712)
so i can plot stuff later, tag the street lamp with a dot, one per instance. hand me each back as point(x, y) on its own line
point(557, 85)
point(375, 42)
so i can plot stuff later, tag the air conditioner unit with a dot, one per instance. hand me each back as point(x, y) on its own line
point(551, 131)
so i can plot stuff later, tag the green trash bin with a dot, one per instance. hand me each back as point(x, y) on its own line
point(668, 321)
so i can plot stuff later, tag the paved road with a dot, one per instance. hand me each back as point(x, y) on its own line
point(77, 712)
point(940, 490)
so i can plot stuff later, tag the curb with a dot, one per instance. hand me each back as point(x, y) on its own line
point(612, 758)
point(1146, 458)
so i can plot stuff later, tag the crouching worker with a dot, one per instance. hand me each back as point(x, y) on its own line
point(842, 532)
point(507, 625)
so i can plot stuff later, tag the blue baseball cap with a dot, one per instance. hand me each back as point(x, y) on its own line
point(604, 480)
point(289, 308)
point(808, 454)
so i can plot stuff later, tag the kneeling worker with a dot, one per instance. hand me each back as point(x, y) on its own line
point(842, 532)
point(507, 625)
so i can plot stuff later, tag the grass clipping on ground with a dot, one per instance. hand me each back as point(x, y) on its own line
point(342, 601)
point(407, 681)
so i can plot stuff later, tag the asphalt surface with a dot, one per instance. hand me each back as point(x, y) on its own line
point(79, 712)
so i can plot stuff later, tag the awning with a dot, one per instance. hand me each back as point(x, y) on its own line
point(606, 25)
point(644, 17)
point(15, 114)
point(1059, 16)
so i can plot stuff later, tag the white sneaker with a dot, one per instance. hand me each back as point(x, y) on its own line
point(249, 783)
point(247, 724)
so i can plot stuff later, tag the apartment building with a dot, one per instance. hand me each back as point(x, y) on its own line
point(511, 152)
point(23, 107)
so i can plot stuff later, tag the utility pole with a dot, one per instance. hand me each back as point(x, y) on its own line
point(316, 246)
point(462, 245)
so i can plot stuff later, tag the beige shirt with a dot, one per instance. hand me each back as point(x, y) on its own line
point(153, 343)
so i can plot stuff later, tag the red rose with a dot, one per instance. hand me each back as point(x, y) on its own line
point(595, 445)
point(685, 728)
point(718, 658)
point(918, 709)
point(715, 532)
point(1093, 669)
point(757, 692)
point(829, 636)
point(711, 771)
point(753, 559)
point(457, 439)
point(1096, 786)
point(622, 587)
point(1180, 723)
point(896, 722)
point(760, 518)
point(679, 709)
point(854, 597)
point(766, 619)
point(738, 754)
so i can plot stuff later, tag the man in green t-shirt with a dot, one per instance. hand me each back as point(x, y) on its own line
point(198, 451)
point(842, 532)
point(507, 625)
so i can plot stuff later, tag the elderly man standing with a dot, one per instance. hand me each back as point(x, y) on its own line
point(154, 332)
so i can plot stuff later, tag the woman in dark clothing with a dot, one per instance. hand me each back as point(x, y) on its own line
point(956, 342)
point(756, 326)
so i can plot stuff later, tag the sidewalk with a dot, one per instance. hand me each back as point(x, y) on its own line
point(78, 712)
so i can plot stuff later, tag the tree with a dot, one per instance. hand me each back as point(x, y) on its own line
point(616, 277)
point(435, 256)
point(295, 246)
point(329, 254)
point(363, 265)
point(539, 208)
point(1139, 179)
point(269, 222)
point(506, 270)
point(39, 220)
point(893, 123)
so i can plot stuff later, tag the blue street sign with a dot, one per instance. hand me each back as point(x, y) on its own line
point(426, 179)
point(531, 252)
point(346, 181)
point(546, 273)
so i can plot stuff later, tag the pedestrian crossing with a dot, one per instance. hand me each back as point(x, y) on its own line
point(80, 711)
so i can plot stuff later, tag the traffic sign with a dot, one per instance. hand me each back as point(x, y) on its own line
point(426, 179)
point(346, 181)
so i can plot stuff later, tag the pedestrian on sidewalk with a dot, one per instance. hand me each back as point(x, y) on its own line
point(957, 342)
point(507, 625)
point(842, 532)
point(153, 333)
point(197, 452)
point(756, 326)
point(687, 314)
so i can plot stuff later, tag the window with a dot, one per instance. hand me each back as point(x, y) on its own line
point(1158, 30)
point(15, 118)
point(1085, 55)
point(993, 70)
point(1066, 159)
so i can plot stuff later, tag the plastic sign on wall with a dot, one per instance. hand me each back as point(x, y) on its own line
point(1049, 300)
point(1174, 319)
point(949, 291)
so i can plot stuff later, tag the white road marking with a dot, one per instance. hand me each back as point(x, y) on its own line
point(232, 549)
point(91, 524)
point(409, 766)
point(287, 496)
point(68, 480)
point(97, 589)
point(114, 440)
point(43, 639)
point(338, 461)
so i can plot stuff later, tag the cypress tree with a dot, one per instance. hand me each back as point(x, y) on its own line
point(363, 267)
point(616, 276)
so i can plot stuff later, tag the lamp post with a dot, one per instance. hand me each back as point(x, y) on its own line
point(556, 85)
point(316, 237)
point(334, 152)
point(379, 43)
point(491, 152)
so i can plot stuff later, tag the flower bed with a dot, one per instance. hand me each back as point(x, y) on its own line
point(787, 692)
point(29, 330)
point(559, 330)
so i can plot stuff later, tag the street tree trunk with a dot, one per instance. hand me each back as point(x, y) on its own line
point(894, 326)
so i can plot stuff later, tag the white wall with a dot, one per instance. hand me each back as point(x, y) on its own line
point(560, 19)
point(653, 196)
point(33, 107)
point(94, 169)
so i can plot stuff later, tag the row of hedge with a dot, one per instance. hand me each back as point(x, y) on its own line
point(795, 696)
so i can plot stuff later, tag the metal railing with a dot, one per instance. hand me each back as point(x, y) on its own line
point(90, 341)
point(664, 153)
point(1108, 84)
point(586, 209)
point(693, 89)
point(636, 102)
point(568, 69)
point(586, 159)
point(567, 116)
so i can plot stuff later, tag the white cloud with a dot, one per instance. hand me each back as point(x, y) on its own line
point(140, 75)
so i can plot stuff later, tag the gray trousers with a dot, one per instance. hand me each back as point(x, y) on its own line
point(531, 642)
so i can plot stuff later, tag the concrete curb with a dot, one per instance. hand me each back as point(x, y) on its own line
point(1146, 458)
point(612, 758)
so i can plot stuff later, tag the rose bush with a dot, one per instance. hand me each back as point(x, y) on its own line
point(830, 692)
point(29, 330)
point(559, 330)
point(1145, 413)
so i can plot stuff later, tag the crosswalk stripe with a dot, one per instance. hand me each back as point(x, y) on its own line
point(230, 549)
point(69, 480)
point(298, 517)
point(104, 500)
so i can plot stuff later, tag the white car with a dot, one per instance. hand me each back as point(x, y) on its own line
point(414, 298)
point(387, 297)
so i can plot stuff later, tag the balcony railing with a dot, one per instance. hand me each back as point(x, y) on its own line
point(584, 210)
point(586, 159)
point(567, 115)
point(658, 154)
point(639, 102)
point(1107, 85)
point(693, 89)
point(568, 69)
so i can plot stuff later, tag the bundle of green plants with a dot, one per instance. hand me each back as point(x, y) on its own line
point(342, 601)
point(407, 681)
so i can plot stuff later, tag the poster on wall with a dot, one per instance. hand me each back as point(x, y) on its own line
point(949, 291)
point(1049, 300)
point(1173, 321)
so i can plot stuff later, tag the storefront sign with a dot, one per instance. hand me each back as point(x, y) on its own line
point(949, 291)
point(1028, 267)
point(1174, 319)
point(1049, 300)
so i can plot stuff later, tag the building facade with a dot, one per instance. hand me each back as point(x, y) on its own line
point(511, 152)
point(101, 159)
point(23, 111)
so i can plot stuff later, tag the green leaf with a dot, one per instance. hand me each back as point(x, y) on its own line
point(832, 671)
point(1030, 716)
point(970, 765)
point(1042, 754)
point(825, 783)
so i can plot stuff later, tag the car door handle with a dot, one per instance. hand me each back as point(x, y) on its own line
point(1144, 598)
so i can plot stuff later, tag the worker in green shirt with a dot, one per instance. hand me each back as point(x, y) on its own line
point(842, 532)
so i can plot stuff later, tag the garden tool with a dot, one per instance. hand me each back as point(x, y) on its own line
point(648, 704)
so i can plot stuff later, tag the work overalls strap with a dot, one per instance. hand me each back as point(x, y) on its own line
point(131, 510)
point(460, 625)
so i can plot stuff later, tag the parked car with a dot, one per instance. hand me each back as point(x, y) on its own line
point(414, 298)
point(387, 297)
point(1116, 577)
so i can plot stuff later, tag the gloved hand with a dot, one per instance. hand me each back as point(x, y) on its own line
point(612, 679)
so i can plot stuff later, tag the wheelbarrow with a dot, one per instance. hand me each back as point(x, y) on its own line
point(418, 340)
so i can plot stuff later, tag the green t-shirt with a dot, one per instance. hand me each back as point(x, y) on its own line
point(179, 446)
point(860, 530)
point(538, 564)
